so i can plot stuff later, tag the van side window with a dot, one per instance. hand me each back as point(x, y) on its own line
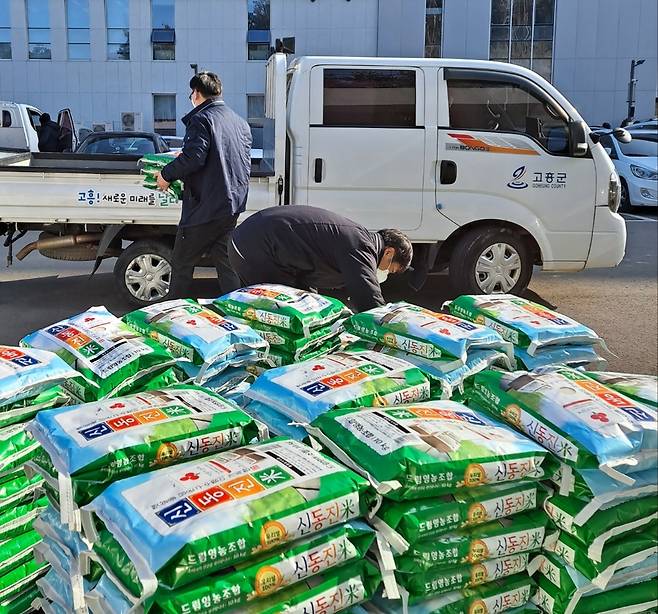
point(6, 119)
point(506, 107)
point(358, 97)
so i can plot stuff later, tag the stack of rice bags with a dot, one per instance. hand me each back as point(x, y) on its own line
point(601, 554)
point(205, 343)
point(541, 337)
point(90, 446)
point(150, 165)
point(29, 382)
point(297, 325)
point(111, 358)
point(460, 494)
point(263, 528)
point(289, 397)
point(447, 349)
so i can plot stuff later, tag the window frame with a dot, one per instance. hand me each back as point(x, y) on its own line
point(318, 84)
point(531, 40)
point(70, 43)
point(169, 131)
point(113, 28)
point(33, 29)
point(505, 78)
point(5, 28)
point(157, 31)
point(431, 11)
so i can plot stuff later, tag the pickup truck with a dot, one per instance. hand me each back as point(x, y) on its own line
point(485, 165)
point(19, 124)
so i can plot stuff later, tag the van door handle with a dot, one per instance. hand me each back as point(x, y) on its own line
point(448, 172)
point(318, 170)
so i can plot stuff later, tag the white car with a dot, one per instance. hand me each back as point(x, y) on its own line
point(636, 163)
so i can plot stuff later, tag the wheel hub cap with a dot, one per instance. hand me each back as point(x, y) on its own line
point(498, 268)
point(148, 277)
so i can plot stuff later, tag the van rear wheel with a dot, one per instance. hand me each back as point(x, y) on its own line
point(491, 261)
point(143, 272)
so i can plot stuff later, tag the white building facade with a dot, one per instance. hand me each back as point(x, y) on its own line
point(126, 63)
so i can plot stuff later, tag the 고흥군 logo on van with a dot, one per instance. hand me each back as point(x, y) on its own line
point(517, 183)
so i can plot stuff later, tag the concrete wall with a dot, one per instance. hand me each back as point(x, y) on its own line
point(595, 41)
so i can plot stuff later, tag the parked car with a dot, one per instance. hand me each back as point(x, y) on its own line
point(175, 143)
point(636, 163)
point(123, 143)
point(651, 124)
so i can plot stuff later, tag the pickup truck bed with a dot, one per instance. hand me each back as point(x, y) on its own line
point(93, 189)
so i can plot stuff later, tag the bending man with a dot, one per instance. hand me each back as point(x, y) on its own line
point(307, 247)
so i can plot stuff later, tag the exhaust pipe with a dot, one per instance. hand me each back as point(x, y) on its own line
point(56, 242)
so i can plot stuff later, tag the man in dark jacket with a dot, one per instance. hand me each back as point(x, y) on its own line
point(307, 247)
point(49, 132)
point(215, 165)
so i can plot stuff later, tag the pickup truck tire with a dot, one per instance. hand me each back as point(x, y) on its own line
point(491, 261)
point(143, 272)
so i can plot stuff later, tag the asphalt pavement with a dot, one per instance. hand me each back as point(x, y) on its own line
point(621, 304)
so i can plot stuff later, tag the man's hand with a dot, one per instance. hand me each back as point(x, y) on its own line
point(162, 184)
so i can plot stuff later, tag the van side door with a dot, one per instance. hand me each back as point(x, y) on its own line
point(504, 154)
point(367, 144)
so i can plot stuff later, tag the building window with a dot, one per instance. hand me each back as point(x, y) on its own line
point(256, 118)
point(5, 31)
point(258, 30)
point(163, 34)
point(77, 29)
point(164, 114)
point(118, 29)
point(369, 98)
point(433, 28)
point(38, 29)
point(522, 33)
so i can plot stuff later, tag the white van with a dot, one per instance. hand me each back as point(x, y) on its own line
point(485, 165)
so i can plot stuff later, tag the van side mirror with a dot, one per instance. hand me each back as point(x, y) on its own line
point(577, 139)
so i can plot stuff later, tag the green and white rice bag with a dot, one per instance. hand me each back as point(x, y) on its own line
point(14, 582)
point(428, 449)
point(177, 525)
point(17, 550)
point(341, 379)
point(282, 307)
point(425, 333)
point(447, 376)
point(86, 447)
point(596, 488)
point(150, 164)
point(610, 522)
point(256, 580)
point(111, 358)
point(563, 590)
point(438, 580)
point(197, 335)
point(280, 358)
point(616, 555)
point(642, 388)
point(504, 537)
point(16, 488)
point(19, 518)
point(22, 411)
point(17, 446)
point(522, 322)
point(405, 523)
point(21, 603)
point(503, 595)
point(298, 346)
point(585, 424)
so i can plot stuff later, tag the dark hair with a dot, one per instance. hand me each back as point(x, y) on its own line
point(207, 84)
point(404, 252)
point(44, 118)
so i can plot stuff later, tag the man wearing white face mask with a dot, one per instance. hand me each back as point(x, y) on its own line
point(307, 247)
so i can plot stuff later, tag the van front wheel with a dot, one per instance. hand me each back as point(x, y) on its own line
point(491, 261)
